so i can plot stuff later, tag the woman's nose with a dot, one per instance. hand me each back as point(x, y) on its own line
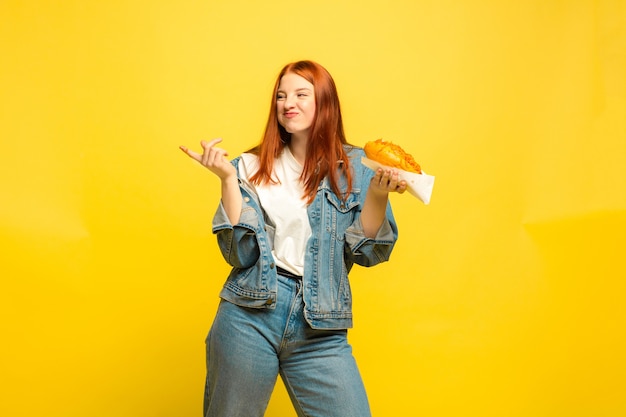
point(289, 102)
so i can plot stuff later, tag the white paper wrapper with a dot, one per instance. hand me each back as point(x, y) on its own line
point(418, 185)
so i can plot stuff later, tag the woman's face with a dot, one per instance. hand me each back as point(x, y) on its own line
point(295, 105)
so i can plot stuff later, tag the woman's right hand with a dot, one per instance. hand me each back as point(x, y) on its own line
point(213, 158)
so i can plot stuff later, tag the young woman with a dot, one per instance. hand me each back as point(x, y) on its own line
point(296, 213)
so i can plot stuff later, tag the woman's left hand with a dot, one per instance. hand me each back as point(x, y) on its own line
point(386, 181)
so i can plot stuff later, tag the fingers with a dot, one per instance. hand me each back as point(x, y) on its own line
point(213, 156)
point(388, 181)
point(210, 155)
point(211, 143)
point(191, 154)
point(385, 179)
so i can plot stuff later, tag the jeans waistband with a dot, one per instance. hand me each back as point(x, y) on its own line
point(286, 273)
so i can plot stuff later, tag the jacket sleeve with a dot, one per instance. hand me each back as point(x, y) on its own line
point(367, 251)
point(238, 243)
point(361, 249)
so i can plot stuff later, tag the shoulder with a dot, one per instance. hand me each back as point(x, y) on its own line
point(362, 174)
point(249, 159)
point(355, 154)
point(247, 164)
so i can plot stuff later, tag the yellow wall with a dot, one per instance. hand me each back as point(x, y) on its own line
point(505, 296)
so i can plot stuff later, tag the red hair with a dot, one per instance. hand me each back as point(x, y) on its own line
point(325, 154)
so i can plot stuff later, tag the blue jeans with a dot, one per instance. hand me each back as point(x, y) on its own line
point(247, 348)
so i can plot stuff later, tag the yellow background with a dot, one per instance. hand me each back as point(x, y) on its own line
point(505, 296)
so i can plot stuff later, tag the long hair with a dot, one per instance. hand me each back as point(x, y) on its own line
point(325, 154)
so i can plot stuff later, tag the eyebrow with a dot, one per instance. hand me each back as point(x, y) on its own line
point(297, 89)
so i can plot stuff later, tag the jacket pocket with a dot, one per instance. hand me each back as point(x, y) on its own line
point(340, 214)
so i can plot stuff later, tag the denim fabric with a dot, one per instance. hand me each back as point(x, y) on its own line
point(336, 244)
point(248, 347)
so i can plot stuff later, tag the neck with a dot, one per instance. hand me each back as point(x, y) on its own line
point(297, 146)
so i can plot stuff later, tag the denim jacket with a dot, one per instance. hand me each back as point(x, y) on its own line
point(336, 244)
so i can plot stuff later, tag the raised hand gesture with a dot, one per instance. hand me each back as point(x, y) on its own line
point(213, 158)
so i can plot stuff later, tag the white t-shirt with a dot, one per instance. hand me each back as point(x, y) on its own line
point(285, 207)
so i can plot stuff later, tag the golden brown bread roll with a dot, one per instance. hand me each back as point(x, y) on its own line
point(392, 155)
